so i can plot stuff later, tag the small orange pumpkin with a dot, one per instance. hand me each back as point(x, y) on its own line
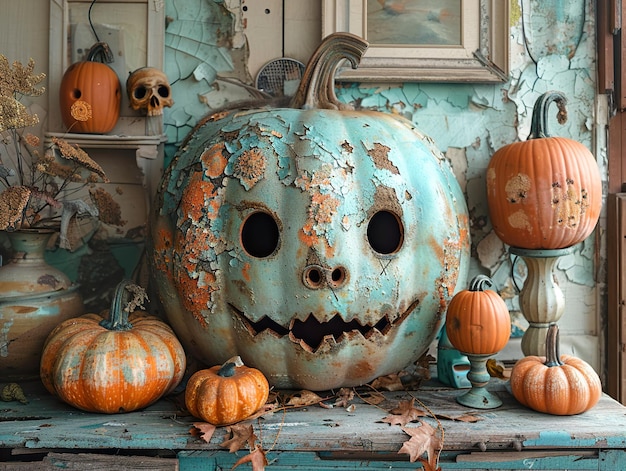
point(478, 321)
point(546, 192)
point(115, 364)
point(226, 394)
point(90, 93)
point(555, 384)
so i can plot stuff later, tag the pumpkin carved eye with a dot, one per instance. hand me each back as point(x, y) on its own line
point(385, 232)
point(259, 235)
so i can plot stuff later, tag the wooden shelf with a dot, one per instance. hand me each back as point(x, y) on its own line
point(146, 146)
point(316, 438)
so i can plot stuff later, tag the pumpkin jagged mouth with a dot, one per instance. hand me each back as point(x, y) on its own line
point(311, 333)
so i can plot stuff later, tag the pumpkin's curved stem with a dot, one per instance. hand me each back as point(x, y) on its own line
point(480, 283)
point(229, 367)
point(539, 123)
point(118, 314)
point(100, 52)
point(553, 357)
point(317, 87)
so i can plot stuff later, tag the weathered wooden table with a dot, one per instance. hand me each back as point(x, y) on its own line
point(47, 434)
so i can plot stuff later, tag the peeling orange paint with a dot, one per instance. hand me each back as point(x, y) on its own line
point(214, 160)
point(194, 201)
point(163, 241)
point(519, 220)
point(464, 233)
point(380, 156)
point(250, 167)
point(319, 179)
point(196, 293)
point(307, 235)
point(569, 204)
point(245, 272)
point(517, 188)
point(323, 208)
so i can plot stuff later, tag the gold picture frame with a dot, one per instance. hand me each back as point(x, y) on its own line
point(462, 40)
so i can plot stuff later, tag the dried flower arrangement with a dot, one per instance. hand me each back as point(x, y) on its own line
point(39, 186)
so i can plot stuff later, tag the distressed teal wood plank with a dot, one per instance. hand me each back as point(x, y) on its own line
point(200, 460)
point(203, 461)
point(612, 460)
point(509, 431)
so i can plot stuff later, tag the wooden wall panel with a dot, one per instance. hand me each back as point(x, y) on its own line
point(616, 333)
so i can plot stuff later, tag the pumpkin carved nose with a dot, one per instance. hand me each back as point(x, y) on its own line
point(317, 277)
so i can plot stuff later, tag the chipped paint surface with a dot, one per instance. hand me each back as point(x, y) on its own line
point(326, 305)
point(548, 191)
point(468, 122)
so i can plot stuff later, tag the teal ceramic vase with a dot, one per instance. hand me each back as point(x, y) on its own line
point(34, 298)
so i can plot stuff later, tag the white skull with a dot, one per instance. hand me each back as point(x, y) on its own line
point(148, 89)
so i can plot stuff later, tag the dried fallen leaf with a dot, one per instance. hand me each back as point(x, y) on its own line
point(467, 418)
point(404, 413)
point(304, 398)
point(373, 398)
point(13, 392)
point(426, 466)
point(496, 370)
point(411, 381)
point(424, 439)
point(239, 435)
point(265, 409)
point(390, 382)
point(202, 430)
point(256, 458)
point(273, 397)
point(344, 396)
point(425, 361)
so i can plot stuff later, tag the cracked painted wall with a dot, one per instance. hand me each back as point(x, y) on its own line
point(552, 47)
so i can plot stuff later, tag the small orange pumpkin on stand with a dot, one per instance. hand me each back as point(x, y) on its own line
point(90, 93)
point(546, 192)
point(478, 324)
point(555, 384)
point(226, 394)
point(544, 196)
point(114, 363)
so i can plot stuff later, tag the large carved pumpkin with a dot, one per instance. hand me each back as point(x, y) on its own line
point(320, 244)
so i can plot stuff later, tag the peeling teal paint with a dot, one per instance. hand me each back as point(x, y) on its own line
point(567, 439)
point(467, 121)
point(376, 309)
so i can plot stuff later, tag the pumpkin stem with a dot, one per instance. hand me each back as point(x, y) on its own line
point(317, 87)
point(100, 52)
point(480, 283)
point(539, 123)
point(118, 314)
point(553, 357)
point(228, 369)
